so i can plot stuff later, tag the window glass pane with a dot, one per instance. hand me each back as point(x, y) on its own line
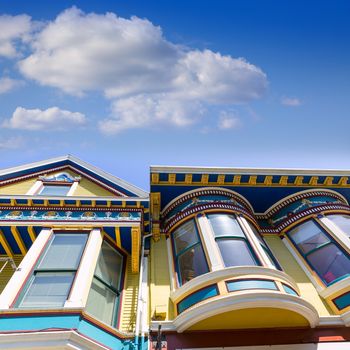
point(109, 266)
point(342, 221)
point(101, 302)
point(54, 190)
point(233, 286)
point(257, 234)
point(271, 257)
point(308, 236)
point(330, 263)
point(185, 236)
point(192, 263)
point(48, 290)
point(225, 225)
point(235, 252)
point(289, 290)
point(64, 251)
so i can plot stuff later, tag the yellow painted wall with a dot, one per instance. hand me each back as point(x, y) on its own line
point(292, 268)
point(6, 274)
point(89, 188)
point(159, 281)
point(252, 318)
point(21, 187)
point(129, 303)
point(85, 187)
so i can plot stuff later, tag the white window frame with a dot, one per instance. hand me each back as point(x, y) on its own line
point(80, 288)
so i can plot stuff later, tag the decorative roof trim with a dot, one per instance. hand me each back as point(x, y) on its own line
point(300, 195)
point(247, 171)
point(206, 191)
point(69, 160)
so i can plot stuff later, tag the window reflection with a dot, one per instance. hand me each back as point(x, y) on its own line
point(318, 249)
point(232, 241)
point(342, 221)
point(189, 254)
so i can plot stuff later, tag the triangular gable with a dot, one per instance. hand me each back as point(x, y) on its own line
point(112, 185)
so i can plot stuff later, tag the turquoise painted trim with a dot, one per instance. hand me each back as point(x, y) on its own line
point(12, 323)
point(31, 323)
point(342, 301)
point(203, 294)
point(234, 286)
point(100, 336)
point(289, 290)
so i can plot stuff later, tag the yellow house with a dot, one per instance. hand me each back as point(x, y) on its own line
point(250, 258)
point(211, 258)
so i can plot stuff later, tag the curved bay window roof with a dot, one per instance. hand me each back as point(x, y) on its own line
point(220, 235)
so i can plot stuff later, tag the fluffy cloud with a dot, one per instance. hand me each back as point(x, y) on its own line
point(144, 110)
point(147, 79)
point(50, 119)
point(290, 101)
point(12, 29)
point(8, 84)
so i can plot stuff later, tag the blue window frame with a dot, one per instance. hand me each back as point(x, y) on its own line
point(342, 301)
point(232, 241)
point(53, 275)
point(189, 256)
point(320, 251)
point(198, 296)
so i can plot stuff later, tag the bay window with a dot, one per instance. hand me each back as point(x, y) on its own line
point(321, 252)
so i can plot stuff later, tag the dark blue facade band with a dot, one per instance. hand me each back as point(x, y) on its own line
point(342, 301)
point(200, 295)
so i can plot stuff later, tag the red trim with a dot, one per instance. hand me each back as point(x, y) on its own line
point(331, 338)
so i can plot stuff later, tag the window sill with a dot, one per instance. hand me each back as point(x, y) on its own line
point(229, 272)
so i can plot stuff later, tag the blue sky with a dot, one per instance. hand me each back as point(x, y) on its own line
point(128, 84)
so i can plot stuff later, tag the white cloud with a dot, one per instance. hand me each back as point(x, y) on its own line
point(50, 119)
point(148, 79)
point(8, 84)
point(229, 120)
point(13, 28)
point(11, 143)
point(218, 79)
point(290, 101)
point(150, 110)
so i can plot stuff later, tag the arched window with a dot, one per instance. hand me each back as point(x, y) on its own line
point(189, 256)
point(233, 244)
point(321, 252)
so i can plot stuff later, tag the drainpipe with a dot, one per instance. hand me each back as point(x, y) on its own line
point(140, 310)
